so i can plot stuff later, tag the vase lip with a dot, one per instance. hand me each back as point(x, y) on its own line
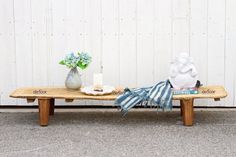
point(73, 68)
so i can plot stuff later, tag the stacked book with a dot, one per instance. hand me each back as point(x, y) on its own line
point(185, 91)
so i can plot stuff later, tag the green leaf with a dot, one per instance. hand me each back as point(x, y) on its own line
point(62, 62)
point(81, 66)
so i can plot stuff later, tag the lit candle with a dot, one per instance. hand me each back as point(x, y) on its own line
point(97, 80)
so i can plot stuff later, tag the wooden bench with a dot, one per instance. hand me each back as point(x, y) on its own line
point(46, 99)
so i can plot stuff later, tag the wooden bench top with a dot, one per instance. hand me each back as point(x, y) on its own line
point(213, 92)
point(46, 99)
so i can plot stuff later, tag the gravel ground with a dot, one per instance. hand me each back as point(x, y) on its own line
point(105, 133)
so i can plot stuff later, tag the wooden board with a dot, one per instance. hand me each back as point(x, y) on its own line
point(213, 92)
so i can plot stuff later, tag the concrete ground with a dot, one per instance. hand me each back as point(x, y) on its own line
point(105, 133)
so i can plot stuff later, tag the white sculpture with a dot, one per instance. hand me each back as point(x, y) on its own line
point(183, 73)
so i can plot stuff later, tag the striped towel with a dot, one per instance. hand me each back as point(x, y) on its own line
point(158, 95)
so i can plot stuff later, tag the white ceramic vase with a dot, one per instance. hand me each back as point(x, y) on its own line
point(73, 80)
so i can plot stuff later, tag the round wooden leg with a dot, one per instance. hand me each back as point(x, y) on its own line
point(52, 105)
point(188, 112)
point(44, 107)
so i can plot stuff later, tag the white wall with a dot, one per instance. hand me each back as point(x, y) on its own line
point(133, 41)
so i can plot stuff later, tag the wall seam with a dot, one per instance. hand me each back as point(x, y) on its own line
point(14, 34)
point(32, 43)
point(154, 42)
point(136, 41)
point(118, 34)
point(101, 39)
point(172, 29)
point(225, 25)
point(189, 25)
point(50, 38)
point(207, 41)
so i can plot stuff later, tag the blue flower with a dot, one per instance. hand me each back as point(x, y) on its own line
point(80, 60)
point(85, 58)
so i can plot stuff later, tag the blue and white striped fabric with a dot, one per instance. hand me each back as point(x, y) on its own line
point(158, 95)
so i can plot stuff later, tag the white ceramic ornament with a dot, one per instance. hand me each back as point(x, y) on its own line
point(183, 73)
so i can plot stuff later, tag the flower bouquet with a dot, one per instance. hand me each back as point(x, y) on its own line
point(72, 61)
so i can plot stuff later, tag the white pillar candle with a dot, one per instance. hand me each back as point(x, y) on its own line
point(97, 80)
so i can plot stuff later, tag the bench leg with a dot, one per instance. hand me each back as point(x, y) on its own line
point(181, 107)
point(52, 105)
point(187, 111)
point(44, 107)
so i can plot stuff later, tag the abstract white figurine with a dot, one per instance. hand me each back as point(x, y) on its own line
point(183, 73)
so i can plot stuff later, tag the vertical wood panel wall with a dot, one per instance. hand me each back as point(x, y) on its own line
point(132, 41)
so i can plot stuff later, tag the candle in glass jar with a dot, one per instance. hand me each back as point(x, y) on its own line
point(97, 80)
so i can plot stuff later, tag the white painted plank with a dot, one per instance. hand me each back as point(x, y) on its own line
point(92, 40)
point(181, 28)
point(7, 51)
point(163, 39)
point(110, 42)
point(216, 30)
point(128, 47)
point(180, 9)
point(39, 42)
point(75, 25)
point(58, 73)
point(23, 38)
point(180, 36)
point(92, 37)
point(230, 49)
point(198, 41)
point(145, 43)
point(75, 29)
point(198, 37)
point(216, 44)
